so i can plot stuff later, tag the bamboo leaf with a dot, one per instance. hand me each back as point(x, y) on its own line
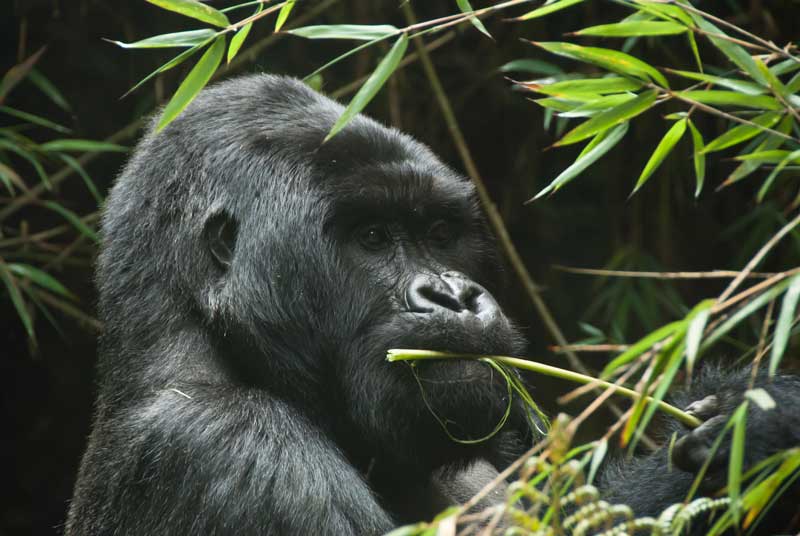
point(613, 60)
point(283, 14)
point(741, 86)
point(788, 159)
point(465, 7)
point(40, 277)
point(73, 219)
point(600, 145)
point(170, 40)
point(634, 29)
point(732, 98)
point(673, 136)
point(694, 333)
point(641, 346)
point(736, 460)
point(530, 65)
point(17, 73)
point(30, 158)
point(359, 32)
point(699, 159)
point(742, 133)
point(598, 455)
point(195, 10)
point(771, 142)
point(695, 52)
point(87, 180)
point(773, 156)
point(76, 145)
point(734, 52)
point(547, 9)
point(373, 84)
point(197, 78)
point(584, 86)
point(35, 119)
point(177, 60)
point(47, 87)
point(16, 299)
point(609, 118)
point(238, 38)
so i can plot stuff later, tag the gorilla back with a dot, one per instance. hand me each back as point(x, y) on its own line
point(251, 279)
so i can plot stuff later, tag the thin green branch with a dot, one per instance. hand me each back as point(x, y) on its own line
point(394, 355)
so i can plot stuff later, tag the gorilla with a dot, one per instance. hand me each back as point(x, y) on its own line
point(251, 279)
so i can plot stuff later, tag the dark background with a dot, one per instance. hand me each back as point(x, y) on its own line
point(46, 392)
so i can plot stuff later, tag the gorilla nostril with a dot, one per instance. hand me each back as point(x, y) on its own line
point(452, 292)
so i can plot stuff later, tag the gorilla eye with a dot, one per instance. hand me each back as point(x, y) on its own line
point(374, 237)
point(441, 232)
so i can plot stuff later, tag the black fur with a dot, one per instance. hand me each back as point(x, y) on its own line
point(251, 280)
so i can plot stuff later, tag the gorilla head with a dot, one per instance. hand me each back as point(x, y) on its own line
point(241, 250)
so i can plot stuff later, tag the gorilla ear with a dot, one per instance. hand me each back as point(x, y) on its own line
point(220, 233)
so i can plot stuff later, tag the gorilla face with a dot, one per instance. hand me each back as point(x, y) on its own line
point(303, 262)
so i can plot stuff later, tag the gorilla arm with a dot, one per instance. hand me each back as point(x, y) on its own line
point(209, 460)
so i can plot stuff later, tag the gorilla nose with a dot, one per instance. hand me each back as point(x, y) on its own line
point(450, 292)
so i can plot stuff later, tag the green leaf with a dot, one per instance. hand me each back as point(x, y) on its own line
point(599, 86)
point(599, 146)
point(47, 87)
point(761, 398)
point(694, 332)
point(18, 72)
point(238, 38)
point(35, 119)
point(73, 219)
point(734, 52)
point(16, 299)
point(177, 60)
point(615, 61)
point(40, 277)
point(195, 10)
point(642, 345)
point(373, 84)
point(736, 461)
point(771, 142)
point(762, 192)
point(609, 118)
point(741, 86)
point(29, 157)
point(531, 66)
point(170, 40)
point(359, 32)
point(699, 159)
point(743, 132)
point(773, 82)
point(634, 29)
point(547, 9)
point(465, 7)
point(665, 11)
point(87, 180)
point(598, 454)
point(732, 98)
point(595, 104)
point(82, 145)
point(197, 78)
point(774, 156)
point(673, 135)
point(695, 52)
point(283, 15)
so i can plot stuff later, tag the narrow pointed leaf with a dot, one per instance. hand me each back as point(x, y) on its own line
point(47, 87)
point(35, 119)
point(699, 159)
point(29, 157)
point(613, 60)
point(774, 156)
point(664, 147)
point(73, 219)
point(771, 142)
point(40, 277)
point(373, 84)
point(177, 60)
point(18, 72)
point(599, 86)
point(548, 8)
point(732, 98)
point(735, 53)
point(178, 39)
point(609, 118)
point(634, 29)
point(16, 299)
point(529, 65)
point(195, 10)
point(87, 180)
point(741, 86)
point(694, 334)
point(600, 145)
point(762, 192)
point(241, 34)
point(784, 325)
point(742, 133)
point(359, 32)
point(197, 78)
point(695, 52)
point(598, 455)
point(75, 145)
point(736, 462)
point(283, 14)
point(642, 345)
point(465, 7)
